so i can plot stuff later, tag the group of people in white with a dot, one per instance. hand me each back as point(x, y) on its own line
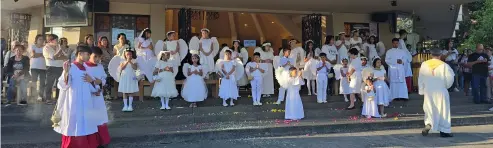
point(81, 116)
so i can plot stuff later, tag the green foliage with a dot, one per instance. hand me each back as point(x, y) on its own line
point(482, 31)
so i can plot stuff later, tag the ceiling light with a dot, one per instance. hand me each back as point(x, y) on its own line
point(246, 25)
point(272, 22)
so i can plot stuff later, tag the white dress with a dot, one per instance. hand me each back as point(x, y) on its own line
point(207, 61)
point(171, 46)
point(268, 79)
point(370, 107)
point(194, 88)
point(356, 78)
point(344, 88)
point(382, 91)
point(372, 52)
point(307, 73)
point(128, 80)
point(165, 87)
point(294, 105)
point(228, 88)
point(144, 48)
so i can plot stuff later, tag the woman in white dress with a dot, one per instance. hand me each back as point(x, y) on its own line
point(122, 44)
point(357, 42)
point(144, 44)
point(310, 60)
point(128, 79)
point(370, 108)
point(194, 89)
point(355, 78)
point(267, 56)
point(228, 89)
point(382, 90)
point(164, 80)
point(344, 80)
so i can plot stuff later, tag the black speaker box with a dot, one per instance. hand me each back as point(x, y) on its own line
point(98, 5)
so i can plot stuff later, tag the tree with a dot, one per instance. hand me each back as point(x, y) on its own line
point(481, 25)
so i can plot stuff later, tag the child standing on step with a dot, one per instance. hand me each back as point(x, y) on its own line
point(370, 108)
point(292, 81)
point(227, 88)
point(344, 82)
point(194, 89)
point(255, 72)
point(323, 68)
point(164, 80)
point(128, 79)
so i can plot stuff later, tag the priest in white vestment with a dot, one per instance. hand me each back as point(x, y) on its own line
point(75, 108)
point(395, 59)
point(435, 77)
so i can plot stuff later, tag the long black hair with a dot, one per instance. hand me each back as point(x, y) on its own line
point(134, 56)
point(374, 64)
point(375, 40)
point(327, 39)
point(307, 48)
point(144, 36)
point(239, 45)
point(125, 36)
point(194, 55)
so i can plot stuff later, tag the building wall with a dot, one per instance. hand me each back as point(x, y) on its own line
point(340, 18)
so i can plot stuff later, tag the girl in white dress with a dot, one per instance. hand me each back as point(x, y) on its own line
point(172, 45)
point(292, 80)
point(164, 78)
point(207, 52)
point(119, 48)
point(370, 108)
point(128, 79)
point(267, 56)
point(310, 60)
point(382, 90)
point(227, 88)
point(194, 89)
point(371, 48)
point(145, 44)
point(344, 82)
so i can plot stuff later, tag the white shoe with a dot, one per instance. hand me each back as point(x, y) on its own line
point(125, 108)
point(162, 108)
point(315, 93)
point(40, 99)
point(346, 100)
point(255, 104)
point(168, 108)
point(231, 104)
point(130, 109)
point(309, 94)
point(319, 102)
point(225, 104)
point(278, 102)
point(491, 109)
point(456, 90)
point(259, 103)
point(324, 101)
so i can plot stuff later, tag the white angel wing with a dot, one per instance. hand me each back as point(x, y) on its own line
point(282, 77)
point(194, 43)
point(218, 66)
point(264, 66)
point(215, 45)
point(337, 71)
point(114, 66)
point(258, 49)
point(244, 54)
point(311, 67)
point(184, 69)
point(239, 70)
point(317, 52)
point(276, 61)
point(183, 49)
point(136, 44)
point(175, 70)
point(221, 54)
point(146, 66)
point(366, 72)
point(160, 46)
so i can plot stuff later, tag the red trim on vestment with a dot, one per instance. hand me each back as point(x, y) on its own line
point(90, 64)
point(103, 135)
point(88, 141)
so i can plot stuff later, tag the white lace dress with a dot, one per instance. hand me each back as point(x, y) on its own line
point(194, 89)
point(165, 86)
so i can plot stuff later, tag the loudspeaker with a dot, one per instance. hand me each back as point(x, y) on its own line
point(380, 17)
point(98, 5)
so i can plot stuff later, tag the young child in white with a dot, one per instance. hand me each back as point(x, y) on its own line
point(194, 89)
point(370, 108)
point(164, 80)
point(128, 79)
point(292, 81)
point(323, 68)
point(310, 61)
point(255, 72)
point(227, 88)
point(382, 90)
point(285, 63)
point(344, 88)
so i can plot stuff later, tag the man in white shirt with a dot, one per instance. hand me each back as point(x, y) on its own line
point(449, 55)
point(54, 58)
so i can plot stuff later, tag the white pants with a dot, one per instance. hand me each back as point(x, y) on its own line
point(256, 84)
point(282, 92)
point(322, 81)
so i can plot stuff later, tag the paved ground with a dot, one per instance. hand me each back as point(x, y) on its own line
point(243, 125)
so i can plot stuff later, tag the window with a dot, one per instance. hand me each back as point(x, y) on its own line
point(110, 25)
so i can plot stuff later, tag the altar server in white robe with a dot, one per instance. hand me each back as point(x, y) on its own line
point(292, 80)
point(435, 77)
point(285, 63)
point(395, 58)
point(96, 70)
point(78, 122)
point(408, 58)
point(255, 73)
point(267, 56)
point(323, 69)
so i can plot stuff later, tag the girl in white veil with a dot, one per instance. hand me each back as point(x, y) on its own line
point(143, 44)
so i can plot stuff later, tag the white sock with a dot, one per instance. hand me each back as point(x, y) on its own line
point(125, 102)
point(167, 101)
point(345, 97)
point(224, 101)
point(231, 101)
point(313, 87)
point(162, 101)
point(309, 86)
point(130, 100)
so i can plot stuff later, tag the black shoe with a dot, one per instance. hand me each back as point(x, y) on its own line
point(23, 103)
point(426, 130)
point(351, 108)
point(446, 135)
